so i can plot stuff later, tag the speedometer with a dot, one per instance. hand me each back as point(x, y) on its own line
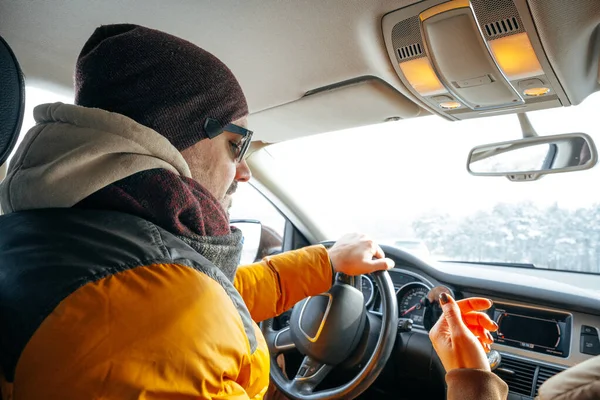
point(409, 302)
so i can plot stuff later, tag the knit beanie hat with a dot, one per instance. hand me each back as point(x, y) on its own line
point(158, 80)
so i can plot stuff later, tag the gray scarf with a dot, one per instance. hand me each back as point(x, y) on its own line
point(223, 251)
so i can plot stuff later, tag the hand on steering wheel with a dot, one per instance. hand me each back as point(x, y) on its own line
point(355, 254)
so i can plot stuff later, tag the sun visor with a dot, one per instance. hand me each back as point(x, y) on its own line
point(466, 59)
point(358, 102)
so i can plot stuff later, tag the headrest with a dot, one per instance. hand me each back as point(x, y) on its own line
point(12, 100)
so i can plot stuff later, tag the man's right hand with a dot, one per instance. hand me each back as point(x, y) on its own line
point(462, 334)
point(356, 254)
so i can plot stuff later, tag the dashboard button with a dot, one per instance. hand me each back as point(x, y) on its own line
point(590, 344)
point(312, 369)
point(589, 330)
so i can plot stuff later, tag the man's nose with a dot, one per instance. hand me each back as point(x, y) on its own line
point(242, 172)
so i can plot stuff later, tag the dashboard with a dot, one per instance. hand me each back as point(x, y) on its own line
point(411, 289)
point(545, 325)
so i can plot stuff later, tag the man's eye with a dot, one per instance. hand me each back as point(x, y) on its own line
point(234, 147)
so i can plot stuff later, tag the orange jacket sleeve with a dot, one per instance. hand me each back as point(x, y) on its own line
point(278, 282)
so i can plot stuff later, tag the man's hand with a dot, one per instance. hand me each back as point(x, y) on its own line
point(356, 254)
point(461, 336)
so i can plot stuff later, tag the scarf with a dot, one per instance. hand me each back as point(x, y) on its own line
point(179, 205)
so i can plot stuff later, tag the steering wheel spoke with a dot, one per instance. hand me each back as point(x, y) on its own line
point(309, 375)
point(282, 341)
point(279, 341)
point(343, 279)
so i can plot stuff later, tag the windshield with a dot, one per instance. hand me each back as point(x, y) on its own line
point(406, 182)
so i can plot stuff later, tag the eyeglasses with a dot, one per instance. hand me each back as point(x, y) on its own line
point(213, 128)
point(243, 145)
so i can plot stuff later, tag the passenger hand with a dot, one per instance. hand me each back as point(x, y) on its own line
point(461, 336)
point(356, 254)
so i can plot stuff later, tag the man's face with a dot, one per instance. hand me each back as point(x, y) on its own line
point(212, 163)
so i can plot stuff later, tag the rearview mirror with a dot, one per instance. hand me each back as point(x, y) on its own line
point(532, 157)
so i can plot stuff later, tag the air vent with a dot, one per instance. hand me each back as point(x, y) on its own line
point(502, 27)
point(517, 374)
point(409, 51)
point(544, 374)
point(406, 38)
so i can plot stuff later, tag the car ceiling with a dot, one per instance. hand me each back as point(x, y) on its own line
point(280, 50)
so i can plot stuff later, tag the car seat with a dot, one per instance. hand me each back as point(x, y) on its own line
point(12, 108)
point(12, 103)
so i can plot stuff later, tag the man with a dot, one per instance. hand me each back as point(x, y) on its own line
point(119, 267)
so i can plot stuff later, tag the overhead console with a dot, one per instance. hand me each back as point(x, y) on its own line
point(465, 59)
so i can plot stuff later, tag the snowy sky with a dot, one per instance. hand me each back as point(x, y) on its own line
point(398, 170)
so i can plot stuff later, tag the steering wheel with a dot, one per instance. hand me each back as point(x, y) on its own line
point(327, 330)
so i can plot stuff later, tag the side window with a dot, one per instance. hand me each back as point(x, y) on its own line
point(261, 223)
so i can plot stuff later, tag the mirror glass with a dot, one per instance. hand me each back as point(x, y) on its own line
point(539, 155)
point(251, 231)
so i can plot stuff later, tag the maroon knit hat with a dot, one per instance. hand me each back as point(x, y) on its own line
point(158, 80)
